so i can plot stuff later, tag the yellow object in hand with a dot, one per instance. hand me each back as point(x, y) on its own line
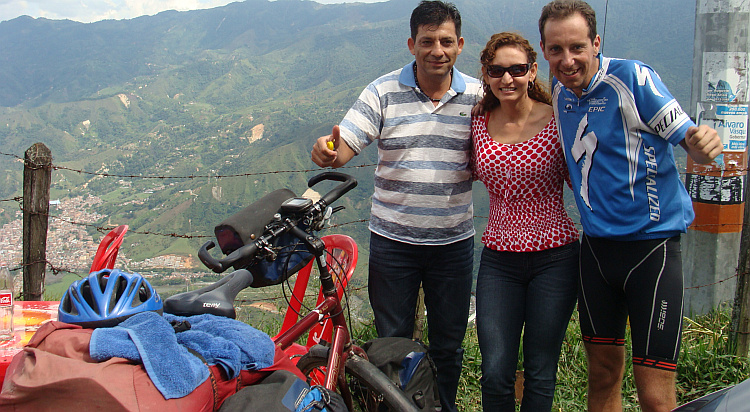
point(330, 145)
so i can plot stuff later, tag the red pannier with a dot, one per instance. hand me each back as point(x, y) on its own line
point(55, 372)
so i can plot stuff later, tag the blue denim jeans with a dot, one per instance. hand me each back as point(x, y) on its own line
point(530, 291)
point(445, 273)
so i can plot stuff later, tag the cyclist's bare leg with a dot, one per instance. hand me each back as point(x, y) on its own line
point(606, 365)
point(656, 388)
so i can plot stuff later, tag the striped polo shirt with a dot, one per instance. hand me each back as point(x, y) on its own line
point(423, 178)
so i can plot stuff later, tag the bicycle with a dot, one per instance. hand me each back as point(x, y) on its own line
point(252, 242)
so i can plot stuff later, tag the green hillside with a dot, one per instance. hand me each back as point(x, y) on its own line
point(177, 120)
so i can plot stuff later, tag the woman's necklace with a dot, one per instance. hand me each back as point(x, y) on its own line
point(420, 88)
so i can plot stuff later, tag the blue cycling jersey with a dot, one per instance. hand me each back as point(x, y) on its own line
point(618, 139)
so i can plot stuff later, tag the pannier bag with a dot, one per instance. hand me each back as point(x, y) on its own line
point(247, 225)
point(408, 365)
point(55, 372)
point(283, 391)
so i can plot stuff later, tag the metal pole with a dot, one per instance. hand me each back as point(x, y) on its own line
point(719, 100)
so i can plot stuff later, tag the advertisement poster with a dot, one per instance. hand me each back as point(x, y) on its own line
point(729, 120)
point(725, 77)
point(715, 189)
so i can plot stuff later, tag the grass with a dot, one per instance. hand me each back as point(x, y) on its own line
point(707, 363)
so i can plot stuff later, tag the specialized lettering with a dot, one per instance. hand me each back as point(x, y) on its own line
point(663, 124)
point(654, 212)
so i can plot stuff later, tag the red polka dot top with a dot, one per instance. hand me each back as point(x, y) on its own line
point(525, 183)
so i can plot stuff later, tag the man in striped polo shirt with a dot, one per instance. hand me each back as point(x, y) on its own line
point(421, 223)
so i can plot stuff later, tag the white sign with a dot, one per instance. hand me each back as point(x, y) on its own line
point(729, 120)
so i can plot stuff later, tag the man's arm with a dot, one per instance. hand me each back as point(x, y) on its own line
point(323, 156)
point(702, 143)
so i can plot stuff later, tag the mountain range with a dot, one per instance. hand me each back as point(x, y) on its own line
point(223, 104)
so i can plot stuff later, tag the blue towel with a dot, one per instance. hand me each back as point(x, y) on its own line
point(225, 342)
point(147, 337)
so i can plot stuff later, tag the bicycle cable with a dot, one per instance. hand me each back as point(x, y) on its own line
point(337, 273)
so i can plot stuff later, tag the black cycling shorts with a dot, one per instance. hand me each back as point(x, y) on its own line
point(641, 280)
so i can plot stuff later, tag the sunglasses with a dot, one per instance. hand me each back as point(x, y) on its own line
point(516, 70)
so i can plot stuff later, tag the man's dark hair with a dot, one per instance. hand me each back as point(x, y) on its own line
point(560, 9)
point(434, 13)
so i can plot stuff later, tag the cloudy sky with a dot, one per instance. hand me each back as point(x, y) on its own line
point(88, 11)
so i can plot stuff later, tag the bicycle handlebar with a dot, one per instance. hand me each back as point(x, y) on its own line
point(282, 224)
point(220, 265)
point(348, 184)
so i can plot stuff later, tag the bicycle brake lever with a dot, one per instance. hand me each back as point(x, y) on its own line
point(326, 219)
point(269, 253)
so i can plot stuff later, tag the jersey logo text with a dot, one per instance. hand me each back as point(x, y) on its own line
point(654, 212)
point(663, 124)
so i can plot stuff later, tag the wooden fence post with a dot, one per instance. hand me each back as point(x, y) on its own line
point(37, 174)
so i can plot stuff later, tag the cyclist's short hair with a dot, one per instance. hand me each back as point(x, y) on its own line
point(434, 13)
point(560, 9)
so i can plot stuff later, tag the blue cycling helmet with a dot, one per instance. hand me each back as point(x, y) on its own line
point(106, 298)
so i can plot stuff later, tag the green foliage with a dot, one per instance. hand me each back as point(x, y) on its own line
point(707, 361)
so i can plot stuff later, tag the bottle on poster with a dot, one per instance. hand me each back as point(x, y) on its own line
point(6, 304)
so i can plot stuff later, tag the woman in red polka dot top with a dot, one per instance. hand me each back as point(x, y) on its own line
point(528, 275)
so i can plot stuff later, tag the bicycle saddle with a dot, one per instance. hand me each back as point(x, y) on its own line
point(216, 298)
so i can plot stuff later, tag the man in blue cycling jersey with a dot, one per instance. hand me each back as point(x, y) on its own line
point(421, 221)
point(619, 123)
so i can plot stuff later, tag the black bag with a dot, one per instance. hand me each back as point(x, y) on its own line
point(283, 391)
point(245, 226)
point(408, 365)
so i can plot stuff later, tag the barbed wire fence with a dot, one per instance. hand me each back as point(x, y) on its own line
point(56, 269)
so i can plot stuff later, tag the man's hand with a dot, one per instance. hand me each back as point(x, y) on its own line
point(331, 151)
point(702, 143)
